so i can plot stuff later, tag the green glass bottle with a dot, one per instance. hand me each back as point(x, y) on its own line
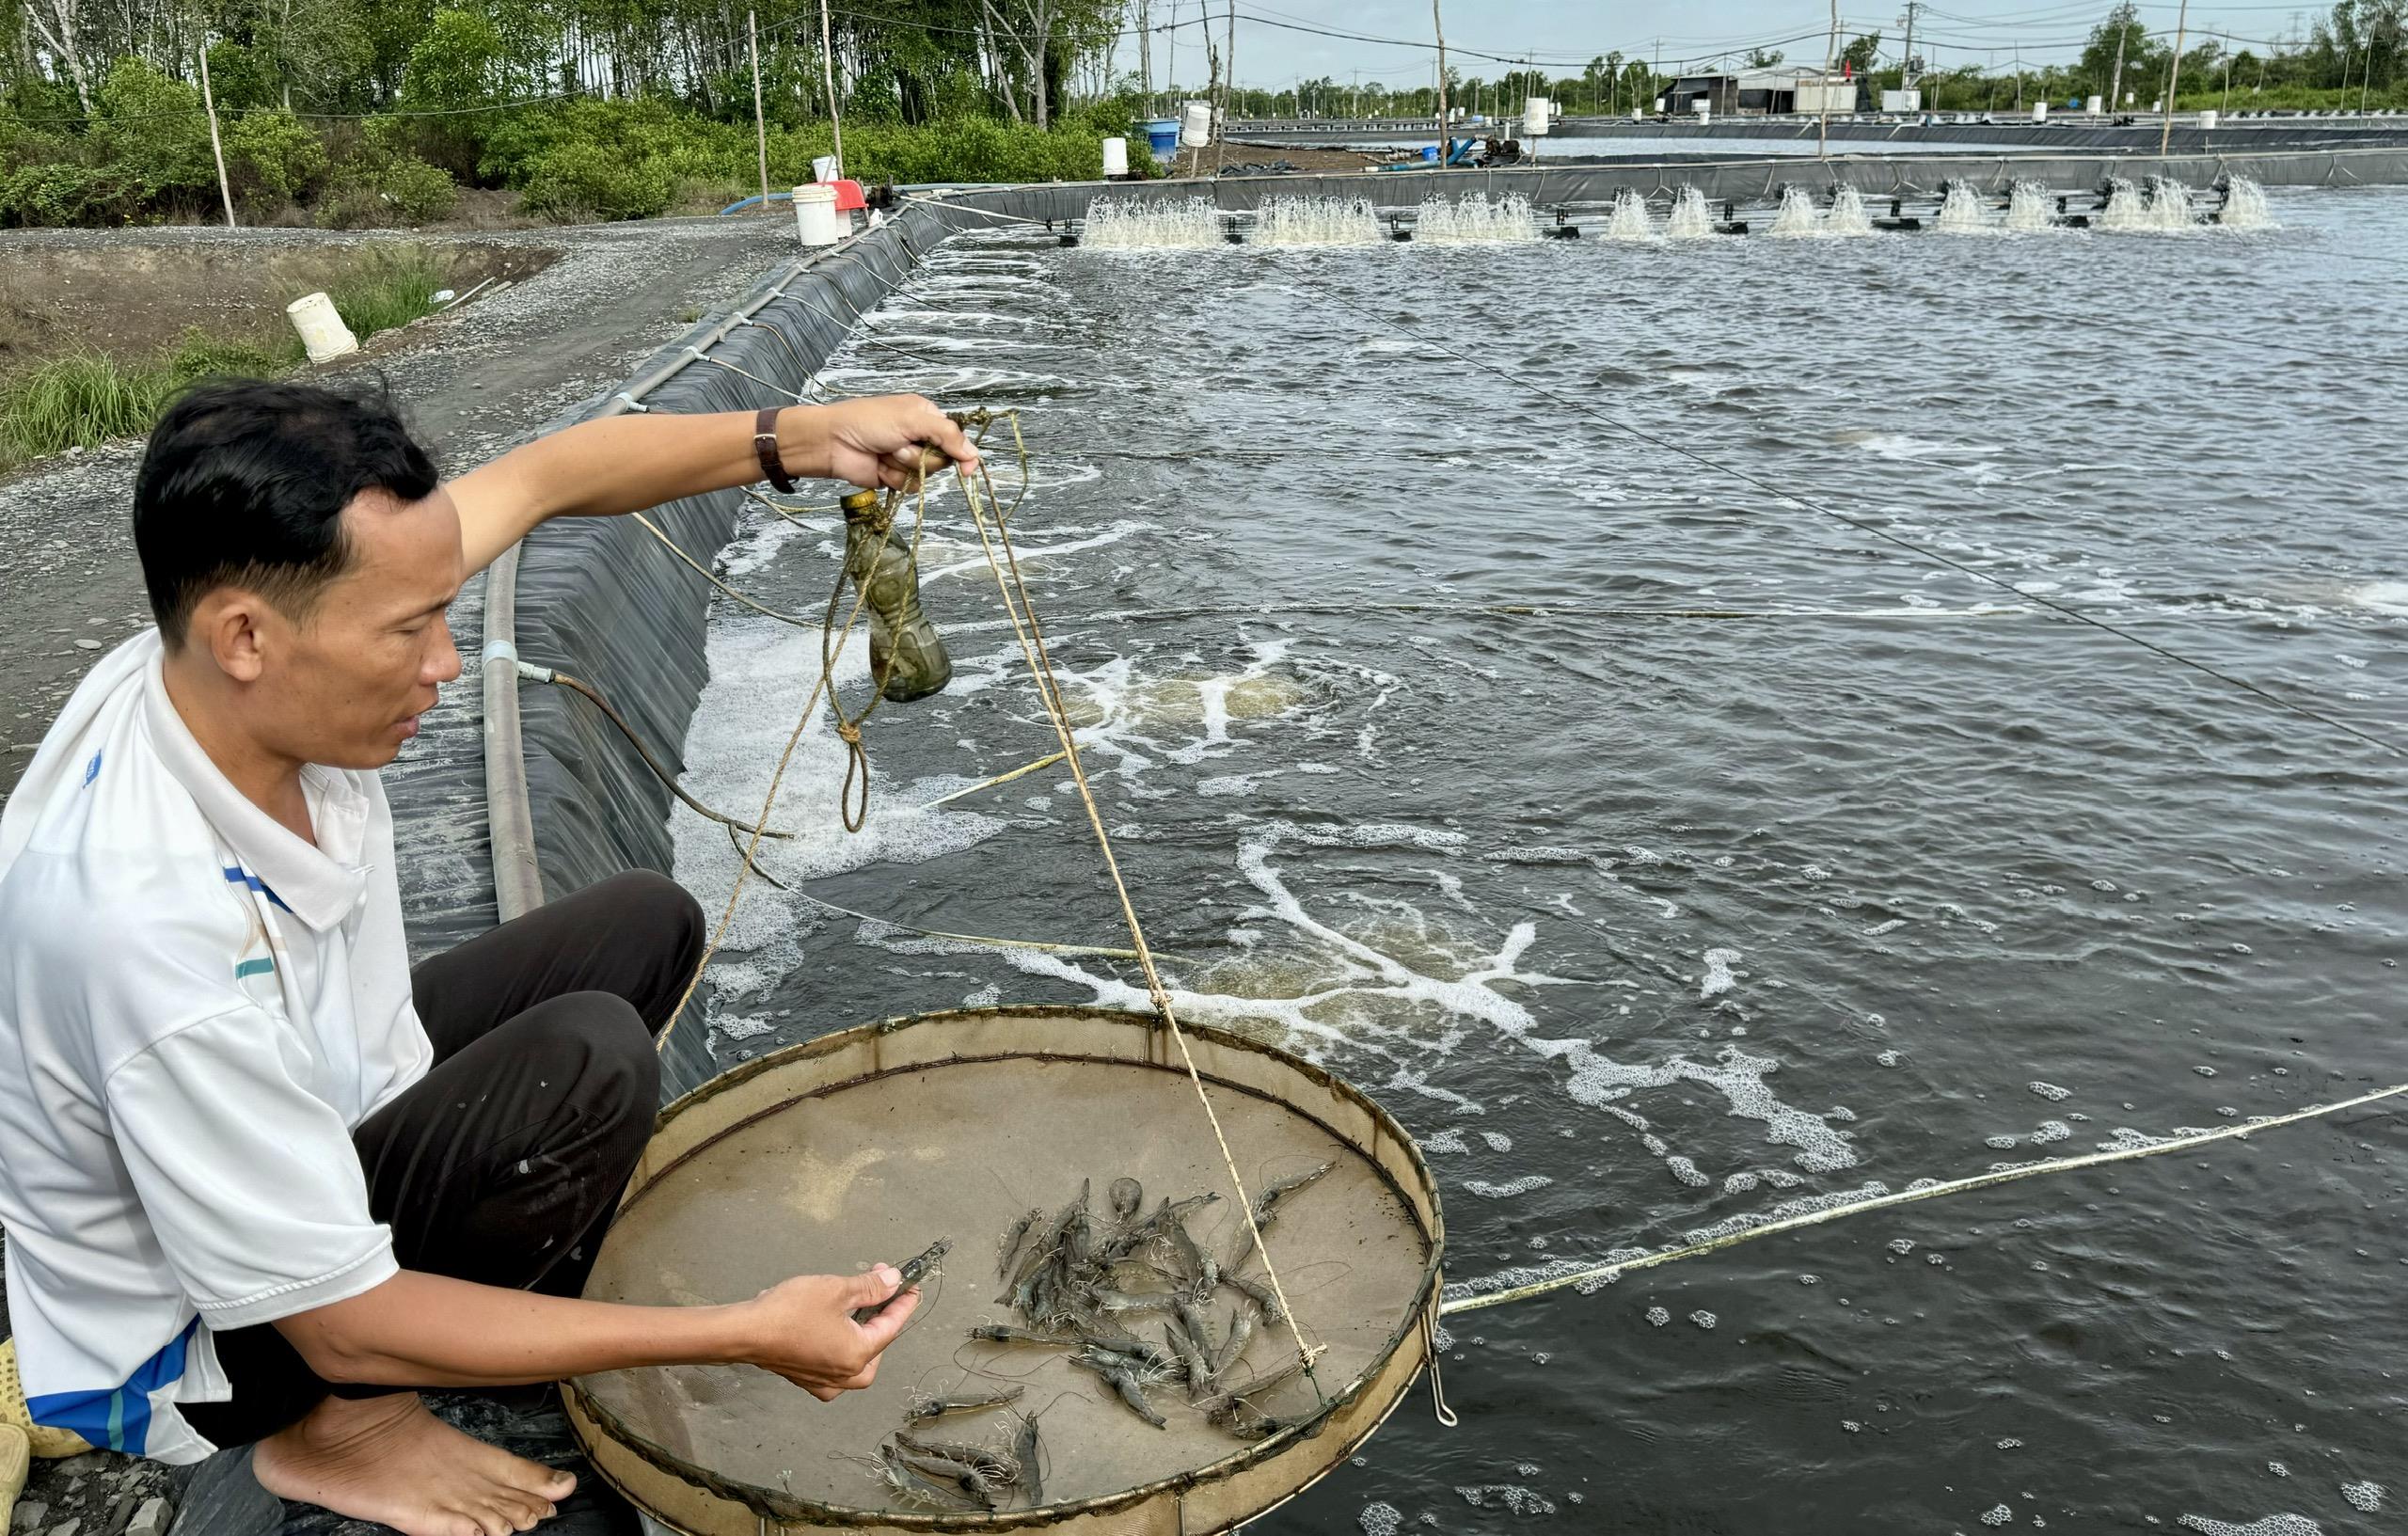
point(904, 646)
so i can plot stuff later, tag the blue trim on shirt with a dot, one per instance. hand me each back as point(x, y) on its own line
point(119, 1417)
point(92, 770)
point(237, 875)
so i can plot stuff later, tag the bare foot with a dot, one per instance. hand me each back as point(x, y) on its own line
point(388, 1460)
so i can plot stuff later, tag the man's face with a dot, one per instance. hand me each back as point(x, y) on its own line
point(345, 685)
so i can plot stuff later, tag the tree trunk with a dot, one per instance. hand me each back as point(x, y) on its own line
point(63, 44)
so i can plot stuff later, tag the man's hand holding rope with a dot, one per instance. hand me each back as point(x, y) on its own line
point(886, 442)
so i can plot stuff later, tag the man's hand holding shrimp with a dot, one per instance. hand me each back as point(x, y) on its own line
point(807, 1334)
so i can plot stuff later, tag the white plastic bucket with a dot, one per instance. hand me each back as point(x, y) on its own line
point(1196, 124)
point(1535, 111)
point(1115, 157)
point(1703, 108)
point(814, 215)
point(823, 167)
point(323, 331)
point(2039, 112)
point(2094, 105)
point(2208, 117)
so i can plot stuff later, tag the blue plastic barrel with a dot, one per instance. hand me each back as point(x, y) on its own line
point(1161, 137)
point(1429, 152)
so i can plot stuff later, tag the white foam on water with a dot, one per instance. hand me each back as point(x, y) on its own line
point(1689, 218)
point(1474, 220)
point(1799, 216)
point(2381, 596)
point(1961, 212)
point(1380, 1520)
point(1511, 1497)
point(1630, 220)
point(2029, 209)
point(2274, 1525)
point(1509, 1189)
point(1702, 1318)
point(1135, 224)
point(1317, 221)
point(2244, 207)
point(2364, 1497)
point(760, 672)
point(1718, 977)
point(2164, 209)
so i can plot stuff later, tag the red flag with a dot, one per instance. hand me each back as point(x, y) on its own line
point(1847, 68)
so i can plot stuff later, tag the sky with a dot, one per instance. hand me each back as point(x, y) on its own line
point(1562, 35)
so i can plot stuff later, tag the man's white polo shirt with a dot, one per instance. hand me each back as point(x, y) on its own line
point(196, 1006)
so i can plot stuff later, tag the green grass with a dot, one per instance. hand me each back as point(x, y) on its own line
point(86, 398)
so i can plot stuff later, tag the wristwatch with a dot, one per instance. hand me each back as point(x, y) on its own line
point(764, 443)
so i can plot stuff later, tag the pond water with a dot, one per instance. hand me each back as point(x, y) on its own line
point(1646, 922)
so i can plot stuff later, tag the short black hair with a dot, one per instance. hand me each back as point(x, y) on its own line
point(245, 482)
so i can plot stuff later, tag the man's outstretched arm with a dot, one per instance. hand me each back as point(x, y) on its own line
point(427, 1330)
point(629, 463)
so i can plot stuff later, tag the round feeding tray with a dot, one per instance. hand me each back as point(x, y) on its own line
point(876, 1142)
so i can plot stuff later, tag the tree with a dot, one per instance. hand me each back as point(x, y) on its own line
point(2121, 35)
point(1861, 53)
point(1764, 58)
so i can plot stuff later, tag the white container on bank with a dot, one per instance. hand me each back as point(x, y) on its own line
point(1703, 108)
point(1196, 124)
point(814, 215)
point(823, 167)
point(2208, 117)
point(1535, 113)
point(2039, 112)
point(1115, 157)
point(2094, 105)
point(322, 332)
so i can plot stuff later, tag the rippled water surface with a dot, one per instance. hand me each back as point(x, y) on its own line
point(1643, 922)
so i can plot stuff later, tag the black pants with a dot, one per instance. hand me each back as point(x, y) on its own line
point(505, 1162)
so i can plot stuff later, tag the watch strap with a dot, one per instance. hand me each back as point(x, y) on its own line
point(764, 443)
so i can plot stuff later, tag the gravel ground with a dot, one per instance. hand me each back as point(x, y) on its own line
point(476, 381)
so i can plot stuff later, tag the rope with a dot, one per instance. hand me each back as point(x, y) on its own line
point(1018, 606)
point(777, 778)
point(705, 572)
point(1860, 525)
point(848, 728)
point(1604, 1273)
point(668, 780)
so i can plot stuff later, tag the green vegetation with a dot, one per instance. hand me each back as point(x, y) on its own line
point(2354, 54)
point(355, 114)
point(86, 398)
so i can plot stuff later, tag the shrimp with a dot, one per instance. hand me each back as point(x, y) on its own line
point(924, 1408)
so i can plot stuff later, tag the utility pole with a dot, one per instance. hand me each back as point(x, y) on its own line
point(2228, 74)
point(209, 100)
point(1907, 54)
point(760, 123)
point(1438, 26)
point(2366, 81)
point(2115, 86)
point(2173, 78)
point(2019, 74)
point(828, 73)
point(1830, 45)
point(1144, 56)
point(1229, 89)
